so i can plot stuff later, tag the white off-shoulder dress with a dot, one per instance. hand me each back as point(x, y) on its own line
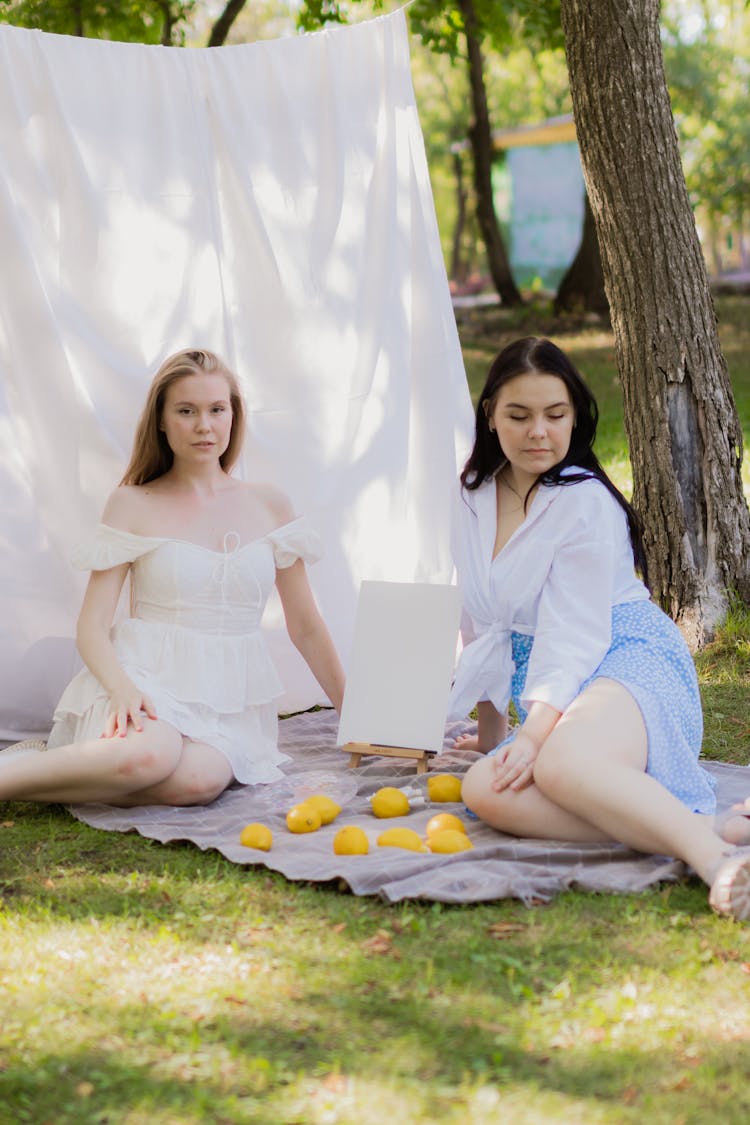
point(193, 643)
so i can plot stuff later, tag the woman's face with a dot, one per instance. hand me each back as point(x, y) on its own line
point(197, 417)
point(534, 418)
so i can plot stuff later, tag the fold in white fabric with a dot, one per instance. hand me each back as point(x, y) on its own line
point(268, 201)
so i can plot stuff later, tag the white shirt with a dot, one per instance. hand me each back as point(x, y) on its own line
point(556, 579)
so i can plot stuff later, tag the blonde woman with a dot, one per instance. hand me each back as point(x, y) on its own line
point(177, 701)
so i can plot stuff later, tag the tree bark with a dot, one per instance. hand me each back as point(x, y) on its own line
point(582, 286)
point(223, 24)
point(167, 24)
point(682, 425)
point(480, 139)
point(458, 267)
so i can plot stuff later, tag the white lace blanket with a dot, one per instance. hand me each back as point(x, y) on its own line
point(498, 866)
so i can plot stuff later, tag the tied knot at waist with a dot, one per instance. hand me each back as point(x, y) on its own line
point(485, 668)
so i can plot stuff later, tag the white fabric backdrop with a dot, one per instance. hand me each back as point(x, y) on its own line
point(268, 201)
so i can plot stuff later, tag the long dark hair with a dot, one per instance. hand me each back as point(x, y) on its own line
point(533, 354)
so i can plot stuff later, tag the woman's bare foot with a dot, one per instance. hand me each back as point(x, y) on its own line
point(730, 887)
point(735, 828)
point(467, 742)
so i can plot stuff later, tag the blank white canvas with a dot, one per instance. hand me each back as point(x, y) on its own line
point(399, 676)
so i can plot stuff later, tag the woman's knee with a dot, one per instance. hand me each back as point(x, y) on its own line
point(196, 790)
point(475, 787)
point(147, 758)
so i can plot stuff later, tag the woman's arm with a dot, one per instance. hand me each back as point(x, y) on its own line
point(94, 644)
point(308, 631)
point(513, 767)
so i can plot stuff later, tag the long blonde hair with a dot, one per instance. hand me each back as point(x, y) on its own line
point(152, 456)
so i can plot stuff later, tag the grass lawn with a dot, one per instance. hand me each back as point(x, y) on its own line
point(154, 985)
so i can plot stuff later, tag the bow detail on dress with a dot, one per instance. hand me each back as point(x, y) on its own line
point(220, 572)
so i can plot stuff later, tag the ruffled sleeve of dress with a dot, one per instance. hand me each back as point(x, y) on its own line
point(109, 546)
point(295, 540)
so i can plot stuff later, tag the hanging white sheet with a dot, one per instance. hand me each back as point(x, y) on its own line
point(268, 201)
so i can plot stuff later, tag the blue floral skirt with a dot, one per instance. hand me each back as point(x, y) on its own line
point(649, 657)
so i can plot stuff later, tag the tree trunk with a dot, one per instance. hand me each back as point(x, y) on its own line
point(582, 287)
point(223, 25)
point(480, 138)
point(167, 24)
point(458, 266)
point(682, 425)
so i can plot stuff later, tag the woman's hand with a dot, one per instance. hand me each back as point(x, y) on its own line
point(513, 766)
point(127, 705)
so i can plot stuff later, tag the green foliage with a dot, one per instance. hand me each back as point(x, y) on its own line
point(440, 26)
point(707, 60)
point(138, 21)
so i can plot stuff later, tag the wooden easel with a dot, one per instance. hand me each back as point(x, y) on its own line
point(360, 750)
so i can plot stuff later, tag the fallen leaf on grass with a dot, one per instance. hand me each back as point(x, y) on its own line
point(505, 929)
point(335, 1083)
point(235, 1000)
point(682, 1083)
point(339, 927)
point(380, 942)
point(630, 1094)
point(84, 1089)
point(485, 1025)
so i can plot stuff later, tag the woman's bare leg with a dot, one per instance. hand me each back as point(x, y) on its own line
point(735, 826)
point(102, 769)
point(591, 776)
point(492, 728)
point(201, 775)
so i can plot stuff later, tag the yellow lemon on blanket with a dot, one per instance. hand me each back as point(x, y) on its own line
point(442, 821)
point(401, 838)
point(303, 818)
point(448, 841)
point(257, 836)
point(351, 840)
point(444, 787)
point(389, 802)
point(326, 806)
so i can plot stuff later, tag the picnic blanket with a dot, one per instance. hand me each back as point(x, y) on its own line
point(498, 866)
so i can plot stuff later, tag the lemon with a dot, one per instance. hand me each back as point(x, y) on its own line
point(444, 787)
point(449, 840)
point(326, 806)
point(442, 820)
point(389, 802)
point(257, 836)
point(350, 840)
point(303, 818)
point(401, 838)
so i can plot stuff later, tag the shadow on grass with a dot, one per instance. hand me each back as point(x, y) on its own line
point(245, 1068)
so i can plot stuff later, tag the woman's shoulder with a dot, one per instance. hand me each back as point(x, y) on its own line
point(278, 505)
point(582, 494)
point(124, 507)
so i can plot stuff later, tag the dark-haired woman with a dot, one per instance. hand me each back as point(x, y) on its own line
point(177, 701)
point(556, 619)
